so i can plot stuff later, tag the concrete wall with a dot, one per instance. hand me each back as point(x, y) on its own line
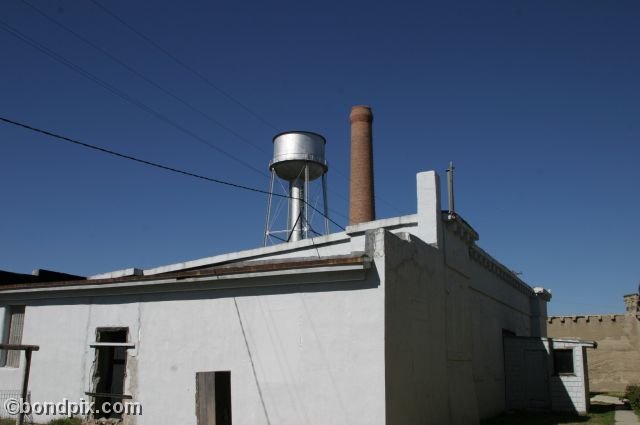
point(496, 306)
point(419, 341)
point(416, 356)
point(530, 379)
point(614, 365)
point(318, 351)
point(489, 318)
point(462, 307)
point(571, 392)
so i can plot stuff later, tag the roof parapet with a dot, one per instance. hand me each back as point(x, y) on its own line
point(543, 293)
point(460, 227)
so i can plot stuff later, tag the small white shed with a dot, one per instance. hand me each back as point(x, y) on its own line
point(546, 373)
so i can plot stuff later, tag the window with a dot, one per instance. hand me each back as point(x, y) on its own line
point(110, 369)
point(213, 398)
point(563, 362)
point(12, 335)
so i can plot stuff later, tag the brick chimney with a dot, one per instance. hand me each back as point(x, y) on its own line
point(361, 194)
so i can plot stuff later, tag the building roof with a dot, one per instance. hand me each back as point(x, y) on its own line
point(248, 269)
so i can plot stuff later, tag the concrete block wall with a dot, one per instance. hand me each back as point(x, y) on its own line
point(415, 339)
point(519, 370)
point(494, 306)
point(570, 392)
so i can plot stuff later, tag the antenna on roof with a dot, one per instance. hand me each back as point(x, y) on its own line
point(452, 212)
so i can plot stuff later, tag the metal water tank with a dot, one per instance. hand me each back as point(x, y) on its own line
point(292, 150)
point(298, 158)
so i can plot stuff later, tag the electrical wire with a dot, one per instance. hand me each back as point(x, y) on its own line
point(181, 63)
point(153, 83)
point(144, 77)
point(38, 46)
point(43, 49)
point(136, 102)
point(160, 166)
point(208, 82)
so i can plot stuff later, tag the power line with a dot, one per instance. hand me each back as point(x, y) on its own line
point(136, 102)
point(185, 66)
point(160, 166)
point(144, 77)
point(192, 71)
point(207, 81)
point(164, 90)
point(150, 81)
point(139, 104)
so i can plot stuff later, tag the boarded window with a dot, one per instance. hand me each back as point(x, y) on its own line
point(563, 361)
point(213, 398)
point(13, 335)
point(110, 370)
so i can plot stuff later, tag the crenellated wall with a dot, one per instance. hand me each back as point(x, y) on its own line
point(616, 362)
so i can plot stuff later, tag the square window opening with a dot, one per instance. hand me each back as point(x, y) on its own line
point(563, 362)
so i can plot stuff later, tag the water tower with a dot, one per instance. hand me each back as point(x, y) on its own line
point(298, 159)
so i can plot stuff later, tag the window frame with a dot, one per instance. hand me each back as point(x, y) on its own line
point(558, 362)
point(12, 358)
point(99, 346)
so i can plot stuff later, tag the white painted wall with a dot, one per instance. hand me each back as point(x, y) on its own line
point(566, 392)
point(570, 392)
point(318, 352)
point(495, 306)
point(418, 342)
point(416, 351)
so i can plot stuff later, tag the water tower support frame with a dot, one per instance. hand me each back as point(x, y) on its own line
point(266, 223)
point(298, 225)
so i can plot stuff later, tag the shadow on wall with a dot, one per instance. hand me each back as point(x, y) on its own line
point(546, 374)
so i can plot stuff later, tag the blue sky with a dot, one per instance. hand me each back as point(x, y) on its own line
point(536, 102)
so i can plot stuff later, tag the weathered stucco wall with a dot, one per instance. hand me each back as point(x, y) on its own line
point(416, 357)
point(318, 351)
point(419, 341)
point(615, 364)
point(496, 307)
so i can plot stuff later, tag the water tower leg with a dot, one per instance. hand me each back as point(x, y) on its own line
point(325, 204)
point(266, 223)
point(306, 202)
point(296, 193)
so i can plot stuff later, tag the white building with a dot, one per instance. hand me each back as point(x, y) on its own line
point(397, 321)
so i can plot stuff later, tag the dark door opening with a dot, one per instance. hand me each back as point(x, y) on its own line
point(213, 398)
point(110, 371)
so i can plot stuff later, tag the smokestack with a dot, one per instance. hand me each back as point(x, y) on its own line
point(361, 198)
